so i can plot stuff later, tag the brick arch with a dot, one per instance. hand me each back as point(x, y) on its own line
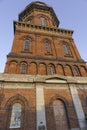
point(12, 61)
point(49, 19)
point(27, 37)
point(83, 70)
point(66, 48)
point(59, 106)
point(42, 15)
point(53, 68)
point(60, 69)
point(13, 66)
point(26, 67)
point(60, 115)
point(32, 69)
point(11, 101)
point(64, 41)
point(76, 70)
point(16, 98)
point(46, 46)
point(42, 69)
point(29, 19)
point(68, 70)
point(46, 39)
point(57, 96)
point(45, 17)
point(23, 61)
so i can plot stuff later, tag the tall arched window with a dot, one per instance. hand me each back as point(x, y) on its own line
point(16, 114)
point(42, 21)
point(27, 45)
point(66, 50)
point(47, 45)
point(23, 68)
point(60, 115)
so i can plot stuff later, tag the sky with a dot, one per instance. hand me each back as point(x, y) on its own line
point(72, 15)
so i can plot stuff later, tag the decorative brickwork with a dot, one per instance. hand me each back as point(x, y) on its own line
point(61, 52)
point(45, 74)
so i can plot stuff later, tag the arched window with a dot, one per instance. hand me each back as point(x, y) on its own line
point(47, 45)
point(60, 115)
point(66, 50)
point(27, 45)
point(76, 71)
point(51, 70)
point(23, 68)
point(42, 21)
point(15, 121)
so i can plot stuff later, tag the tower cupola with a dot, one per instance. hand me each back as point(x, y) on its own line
point(39, 13)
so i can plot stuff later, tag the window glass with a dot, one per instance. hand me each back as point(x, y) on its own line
point(16, 116)
point(51, 70)
point(23, 68)
point(42, 21)
point(76, 71)
point(47, 44)
point(66, 51)
point(27, 45)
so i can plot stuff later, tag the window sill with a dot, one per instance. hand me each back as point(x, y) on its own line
point(15, 127)
point(70, 56)
point(23, 73)
point(48, 54)
point(26, 52)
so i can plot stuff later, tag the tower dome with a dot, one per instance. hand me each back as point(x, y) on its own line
point(40, 7)
point(39, 3)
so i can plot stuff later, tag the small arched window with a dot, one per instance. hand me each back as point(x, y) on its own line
point(42, 21)
point(27, 45)
point(23, 68)
point(16, 114)
point(51, 69)
point(76, 71)
point(47, 45)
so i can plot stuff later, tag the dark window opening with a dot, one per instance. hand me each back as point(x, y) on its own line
point(51, 70)
point(47, 44)
point(76, 71)
point(66, 50)
point(23, 68)
point(27, 45)
point(42, 21)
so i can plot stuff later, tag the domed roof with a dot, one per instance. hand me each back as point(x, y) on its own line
point(39, 3)
point(39, 6)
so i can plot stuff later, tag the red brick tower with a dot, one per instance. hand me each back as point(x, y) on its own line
point(41, 47)
point(44, 85)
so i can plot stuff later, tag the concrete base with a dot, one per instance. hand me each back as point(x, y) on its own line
point(79, 128)
point(75, 129)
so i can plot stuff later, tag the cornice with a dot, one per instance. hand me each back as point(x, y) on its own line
point(23, 26)
point(39, 57)
point(21, 79)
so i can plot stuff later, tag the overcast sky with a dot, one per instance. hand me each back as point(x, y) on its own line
point(72, 15)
